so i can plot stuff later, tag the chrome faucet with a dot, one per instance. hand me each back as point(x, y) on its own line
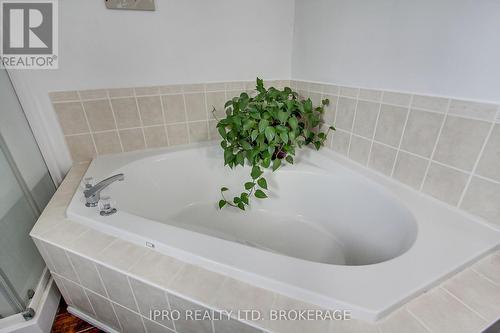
point(93, 194)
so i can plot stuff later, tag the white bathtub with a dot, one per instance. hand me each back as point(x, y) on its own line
point(331, 233)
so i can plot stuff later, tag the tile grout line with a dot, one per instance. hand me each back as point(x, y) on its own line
point(352, 126)
point(206, 111)
point(127, 277)
point(164, 117)
point(476, 162)
point(114, 119)
point(463, 303)
point(398, 149)
point(140, 119)
point(107, 293)
point(420, 321)
point(88, 122)
point(484, 277)
point(375, 127)
point(187, 118)
point(431, 158)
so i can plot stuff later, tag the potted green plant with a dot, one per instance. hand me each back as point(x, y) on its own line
point(264, 131)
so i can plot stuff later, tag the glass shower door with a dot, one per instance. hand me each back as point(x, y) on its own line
point(25, 188)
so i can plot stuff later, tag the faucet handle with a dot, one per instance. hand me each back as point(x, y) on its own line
point(87, 183)
point(106, 206)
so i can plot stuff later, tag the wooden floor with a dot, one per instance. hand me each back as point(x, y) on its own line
point(65, 322)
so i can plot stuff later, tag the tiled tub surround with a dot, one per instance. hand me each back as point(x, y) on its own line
point(446, 148)
point(116, 283)
point(105, 121)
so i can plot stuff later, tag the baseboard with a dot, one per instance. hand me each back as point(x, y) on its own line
point(91, 320)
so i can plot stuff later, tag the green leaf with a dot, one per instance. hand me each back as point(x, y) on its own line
point(256, 172)
point(317, 145)
point(293, 122)
point(289, 159)
point(276, 164)
point(228, 103)
point(244, 198)
point(270, 133)
point(260, 194)
point(249, 185)
point(228, 155)
point(284, 137)
point(263, 123)
point(241, 205)
point(224, 189)
point(254, 134)
point(282, 116)
point(222, 131)
point(266, 162)
point(262, 183)
point(222, 203)
point(246, 145)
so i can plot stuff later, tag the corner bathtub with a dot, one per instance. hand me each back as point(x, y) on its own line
point(331, 233)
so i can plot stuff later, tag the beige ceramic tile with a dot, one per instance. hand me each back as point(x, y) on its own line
point(99, 115)
point(460, 142)
point(478, 293)
point(71, 118)
point(216, 100)
point(345, 113)
point(197, 283)
point(198, 132)
point(330, 109)
point(482, 198)
point(121, 92)
point(93, 94)
point(59, 96)
point(472, 109)
point(431, 103)
point(171, 89)
point(218, 86)
point(233, 326)
point(90, 243)
point(107, 142)
point(316, 87)
point(60, 285)
point(61, 262)
point(370, 95)
point(395, 98)
point(174, 108)
point(129, 321)
point(366, 117)
point(390, 124)
point(147, 91)
point(213, 134)
point(196, 87)
point(489, 164)
point(330, 89)
point(117, 287)
point(187, 325)
point(236, 85)
point(401, 320)
point(440, 312)
point(151, 110)
point(353, 326)
point(489, 267)
point(153, 327)
point(195, 107)
point(121, 254)
point(157, 268)
point(156, 136)
point(315, 99)
point(150, 299)
point(177, 134)
point(349, 92)
point(103, 310)
point(410, 169)
point(421, 132)
point(64, 234)
point(132, 139)
point(382, 158)
point(126, 113)
point(78, 297)
point(87, 273)
point(444, 183)
point(249, 297)
point(359, 149)
point(340, 142)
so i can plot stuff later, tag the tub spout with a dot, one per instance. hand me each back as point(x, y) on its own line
point(93, 194)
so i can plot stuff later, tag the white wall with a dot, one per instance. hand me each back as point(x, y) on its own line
point(439, 47)
point(183, 41)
